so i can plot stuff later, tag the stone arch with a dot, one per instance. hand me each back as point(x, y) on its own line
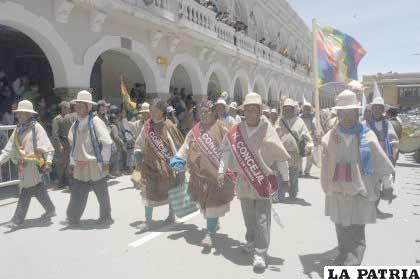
point(241, 79)
point(42, 32)
point(138, 54)
point(193, 70)
point(259, 86)
point(273, 90)
point(222, 75)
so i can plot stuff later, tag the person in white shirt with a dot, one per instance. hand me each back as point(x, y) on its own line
point(90, 145)
point(29, 147)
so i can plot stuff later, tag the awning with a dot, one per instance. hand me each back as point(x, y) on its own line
point(408, 85)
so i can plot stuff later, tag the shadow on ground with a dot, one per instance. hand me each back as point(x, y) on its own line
point(225, 246)
point(30, 224)
point(316, 262)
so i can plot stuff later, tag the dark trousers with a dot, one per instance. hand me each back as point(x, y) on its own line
point(79, 196)
point(40, 192)
point(351, 244)
point(257, 217)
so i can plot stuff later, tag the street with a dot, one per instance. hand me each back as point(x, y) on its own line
point(300, 250)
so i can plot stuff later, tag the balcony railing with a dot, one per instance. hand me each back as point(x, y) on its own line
point(193, 15)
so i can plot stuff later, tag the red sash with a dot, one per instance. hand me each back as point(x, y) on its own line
point(264, 185)
point(158, 146)
point(209, 148)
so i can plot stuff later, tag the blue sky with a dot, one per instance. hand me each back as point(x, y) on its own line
point(388, 29)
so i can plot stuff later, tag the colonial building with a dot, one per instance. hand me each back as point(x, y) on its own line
point(398, 89)
point(230, 45)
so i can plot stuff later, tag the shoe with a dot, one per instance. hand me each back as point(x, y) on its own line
point(208, 241)
point(48, 215)
point(170, 219)
point(12, 225)
point(105, 221)
point(145, 227)
point(249, 248)
point(339, 261)
point(68, 223)
point(259, 262)
point(351, 260)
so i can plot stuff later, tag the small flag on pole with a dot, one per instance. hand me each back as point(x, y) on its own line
point(364, 103)
point(128, 103)
point(338, 55)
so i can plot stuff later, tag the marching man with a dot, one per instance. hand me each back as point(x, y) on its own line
point(90, 144)
point(30, 147)
point(250, 149)
point(298, 142)
point(352, 162)
point(387, 137)
point(308, 118)
point(201, 151)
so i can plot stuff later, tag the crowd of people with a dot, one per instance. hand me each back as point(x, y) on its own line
point(252, 151)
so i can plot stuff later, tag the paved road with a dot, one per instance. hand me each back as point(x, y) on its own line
point(298, 251)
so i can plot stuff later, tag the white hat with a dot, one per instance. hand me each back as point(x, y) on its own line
point(378, 101)
point(25, 106)
point(274, 110)
point(84, 97)
point(266, 108)
point(221, 101)
point(170, 109)
point(145, 107)
point(346, 100)
point(233, 105)
point(306, 104)
point(289, 103)
point(252, 98)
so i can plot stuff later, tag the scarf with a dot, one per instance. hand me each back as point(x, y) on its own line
point(21, 128)
point(387, 146)
point(365, 152)
point(93, 138)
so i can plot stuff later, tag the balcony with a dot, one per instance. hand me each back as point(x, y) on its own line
point(201, 21)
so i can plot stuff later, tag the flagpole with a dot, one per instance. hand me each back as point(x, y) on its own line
point(315, 78)
point(316, 152)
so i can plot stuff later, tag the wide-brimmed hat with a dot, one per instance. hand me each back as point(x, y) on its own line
point(103, 103)
point(346, 100)
point(84, 97)
point(266, 109)
point(377, 101)
point(25, 106)
point(233, 105)
point(145, 107)
point(170, 109)
point(289, 103)
point(221, 102)
point(274, 111)
point(306, 104)
point(252, 98)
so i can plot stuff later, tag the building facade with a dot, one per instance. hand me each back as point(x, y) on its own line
point(235, 46)
point(398, 89)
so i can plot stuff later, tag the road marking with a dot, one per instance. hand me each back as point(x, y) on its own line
point(153, 235)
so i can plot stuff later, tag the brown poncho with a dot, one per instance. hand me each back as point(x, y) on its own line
point(203, 185)
point(157, 176)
